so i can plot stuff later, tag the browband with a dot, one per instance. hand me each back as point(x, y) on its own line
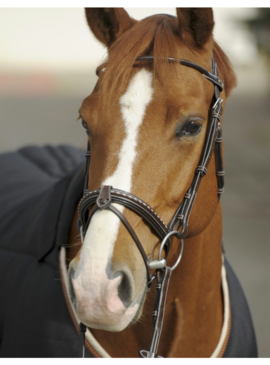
point(215, 79)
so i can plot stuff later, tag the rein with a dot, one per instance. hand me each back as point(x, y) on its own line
point(103, 198)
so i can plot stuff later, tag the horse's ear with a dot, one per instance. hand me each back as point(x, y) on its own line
point(195, 25)
point(108, 24)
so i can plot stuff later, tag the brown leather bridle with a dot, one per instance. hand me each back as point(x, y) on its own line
point(103, 198)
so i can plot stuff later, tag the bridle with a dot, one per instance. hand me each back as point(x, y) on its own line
point(103, 198)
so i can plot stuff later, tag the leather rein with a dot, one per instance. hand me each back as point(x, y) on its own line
point(103, 198)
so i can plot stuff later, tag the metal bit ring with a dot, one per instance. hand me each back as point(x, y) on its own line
point(172, 233)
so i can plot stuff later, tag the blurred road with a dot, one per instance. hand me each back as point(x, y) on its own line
point(52, 119)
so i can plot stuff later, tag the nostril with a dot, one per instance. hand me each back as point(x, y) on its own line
point(125, 290)
point(126, 287)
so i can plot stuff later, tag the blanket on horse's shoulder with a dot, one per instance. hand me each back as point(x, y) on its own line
point(39, 190)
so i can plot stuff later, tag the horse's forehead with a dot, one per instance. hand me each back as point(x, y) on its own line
point(180, 90)
point(98, 98)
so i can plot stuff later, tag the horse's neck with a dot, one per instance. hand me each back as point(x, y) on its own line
point(196, 295)
point(193, 317)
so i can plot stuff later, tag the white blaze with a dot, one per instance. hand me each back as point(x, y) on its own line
point(133, 106)
point(102, 233)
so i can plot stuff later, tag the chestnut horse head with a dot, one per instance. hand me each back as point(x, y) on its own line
point(147, 121)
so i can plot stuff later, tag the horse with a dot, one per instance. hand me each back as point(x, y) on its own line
point(147, 274)
point(148, 122)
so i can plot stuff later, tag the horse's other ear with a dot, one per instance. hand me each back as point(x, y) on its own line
point(195, 25)
point(108, 24)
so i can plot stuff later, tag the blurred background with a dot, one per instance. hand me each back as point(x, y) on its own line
point(47, 66)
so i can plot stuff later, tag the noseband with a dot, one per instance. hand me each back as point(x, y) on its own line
point(103, 198)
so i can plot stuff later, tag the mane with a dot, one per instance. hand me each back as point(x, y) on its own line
point(225, 69)
point(156, 36)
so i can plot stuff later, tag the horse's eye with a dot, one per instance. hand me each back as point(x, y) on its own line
point(84, 124)
point(191, 128)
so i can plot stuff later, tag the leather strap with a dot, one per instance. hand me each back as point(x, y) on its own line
point(182, 214)
point(159, 311)
point(212, 142)
point(214, 78)
point(128, 200)
point(219, 162)
point(86, 169)
point(103, 198)
point(136, 240)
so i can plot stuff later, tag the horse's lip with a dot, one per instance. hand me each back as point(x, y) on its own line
point(107, 321)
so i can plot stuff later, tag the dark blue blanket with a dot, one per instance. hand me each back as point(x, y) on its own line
point(39, 190)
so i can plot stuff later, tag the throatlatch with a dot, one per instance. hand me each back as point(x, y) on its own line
point(106, 196)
